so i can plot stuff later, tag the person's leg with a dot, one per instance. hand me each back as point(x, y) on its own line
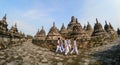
point(57, 49)
point(67, 50)
point(62, 48)
point(72, 50)
point(76, 50)
point(70, 46)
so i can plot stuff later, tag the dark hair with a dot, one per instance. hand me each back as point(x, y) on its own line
point(58, 38)
point(65, 37)
point(75, 38)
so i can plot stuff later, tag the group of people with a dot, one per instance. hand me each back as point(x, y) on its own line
point(65, 46)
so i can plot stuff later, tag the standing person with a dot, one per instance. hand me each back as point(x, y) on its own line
point(58, 46)
point(66, 46)
point(62, 45)
point(69, 44)
point(74, 47)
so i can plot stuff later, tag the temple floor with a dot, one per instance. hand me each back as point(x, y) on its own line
point(30, 54)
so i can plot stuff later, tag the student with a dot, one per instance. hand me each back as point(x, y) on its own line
point(62, 46)
point(66, 46)
point(69, 44)
point(58, 46)
point(74, 47)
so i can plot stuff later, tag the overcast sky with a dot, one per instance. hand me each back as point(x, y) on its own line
point(31, 15)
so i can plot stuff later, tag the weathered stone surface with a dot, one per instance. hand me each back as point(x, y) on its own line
point(72, 23)
point(1, 57)
point(118, 31)
point(8, 37)
point(81, 35)
point(58, 58)
point(3, 24)
point(2, 62)
point(70, 60)
point(97, 29)
point(59, 63)
point(30, 54)
point(14, 29)
point(86, 37)
point(53, 33)
point(44, 60)
point(15, 62)
point(64, 31)
point(99, 36)
point(40, 35)
point(89, 29)
point(109, 29)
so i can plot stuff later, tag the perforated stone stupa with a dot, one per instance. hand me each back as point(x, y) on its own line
point(53, 33)
point(40, 35)
point(78, 32)
point(3, 24)
point(109, 29)
point(73, 23)
point(86, 36)
point(99, 36)
point(89, 29)
point(14, 29)
point(118, 31)
point(7, 37)
point(63, 31)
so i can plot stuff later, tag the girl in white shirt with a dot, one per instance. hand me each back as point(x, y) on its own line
point(66, 46)
point(69, 44)
point(74, 47)
point(58, 46)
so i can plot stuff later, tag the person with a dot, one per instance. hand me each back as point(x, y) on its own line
point(74, 47)
point(58, 46)
point(66, 46)
point(69, 44)
point(62, 46)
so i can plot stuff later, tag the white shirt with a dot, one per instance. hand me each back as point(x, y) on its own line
point(69, 41)
point(74, 43)
point(65, 41)
point(58, 42)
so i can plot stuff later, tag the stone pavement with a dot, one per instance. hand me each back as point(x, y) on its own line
point(30, 54)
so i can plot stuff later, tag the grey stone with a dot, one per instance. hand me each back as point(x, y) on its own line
point(2, 53)
point(86, 63)
point(15, 62)
point(70, 60)
point(1, 57)
point(80, 63)
point(59, 63)
point(87, 60)
point(44, 60)
point(12, 63)
point(57, 58)
point(40, 52)
point(16, 56)
point(2, 61)
point(27, 63)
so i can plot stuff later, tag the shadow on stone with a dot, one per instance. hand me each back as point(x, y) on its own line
point(110, 56)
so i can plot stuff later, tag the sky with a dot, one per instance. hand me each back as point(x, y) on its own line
point(31, 15)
